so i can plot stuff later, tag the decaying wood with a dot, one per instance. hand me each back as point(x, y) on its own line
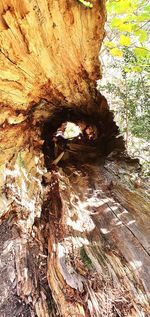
point(100, 248)
point(74, 233)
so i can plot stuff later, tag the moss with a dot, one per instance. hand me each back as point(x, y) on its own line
point(20, 160)
point(85, 259)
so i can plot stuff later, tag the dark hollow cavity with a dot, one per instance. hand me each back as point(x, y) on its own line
point(74, 137)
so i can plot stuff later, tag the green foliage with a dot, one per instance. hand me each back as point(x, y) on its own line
point(141, 52)
point(130, 20)
point(116, 52)
point(124, 40)
point(85, 259)
point(132, 93)
point(126, 79)
point(127, 91)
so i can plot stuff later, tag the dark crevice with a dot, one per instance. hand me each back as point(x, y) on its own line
point(79, 149)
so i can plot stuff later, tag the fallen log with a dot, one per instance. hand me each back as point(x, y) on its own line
point(74, 235)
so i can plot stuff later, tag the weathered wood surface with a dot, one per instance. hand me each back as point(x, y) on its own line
point(74, 238)
point(49, 50)
point(98, 246)
point(48, 60)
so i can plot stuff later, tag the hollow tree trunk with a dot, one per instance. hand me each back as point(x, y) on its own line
point(74, 235)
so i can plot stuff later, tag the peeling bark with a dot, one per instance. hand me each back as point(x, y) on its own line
point(74, 236)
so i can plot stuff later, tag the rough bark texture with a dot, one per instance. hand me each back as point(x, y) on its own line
point(74, 237)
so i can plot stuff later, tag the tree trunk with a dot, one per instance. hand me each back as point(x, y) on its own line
point(74, 233)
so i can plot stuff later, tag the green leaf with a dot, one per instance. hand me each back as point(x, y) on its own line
point(127, 69)
point(109, 44)
point(115, 22)
point(130, 17)
point(147, 8)
point(141, 52)
point(127, 6)
point(125, 40)
point(142, 35)
point(137, 69)
point(143, 17)
point(116, 52)
point(125, 27)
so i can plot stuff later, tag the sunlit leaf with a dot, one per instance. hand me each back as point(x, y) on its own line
point(115, 22)
point(147, 8)
point(142, 35)
point(137, 69)
point(125, 27)
point(130, 17)
point(141, 52)
point(116, 52)
point(143, 17)
point(125, 40)
point(125, 6)
point(127, 69)
point(109, 44)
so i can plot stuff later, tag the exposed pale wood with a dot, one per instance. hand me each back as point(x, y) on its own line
point(116, 276)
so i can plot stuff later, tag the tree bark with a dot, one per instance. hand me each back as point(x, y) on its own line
point(74, 233)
